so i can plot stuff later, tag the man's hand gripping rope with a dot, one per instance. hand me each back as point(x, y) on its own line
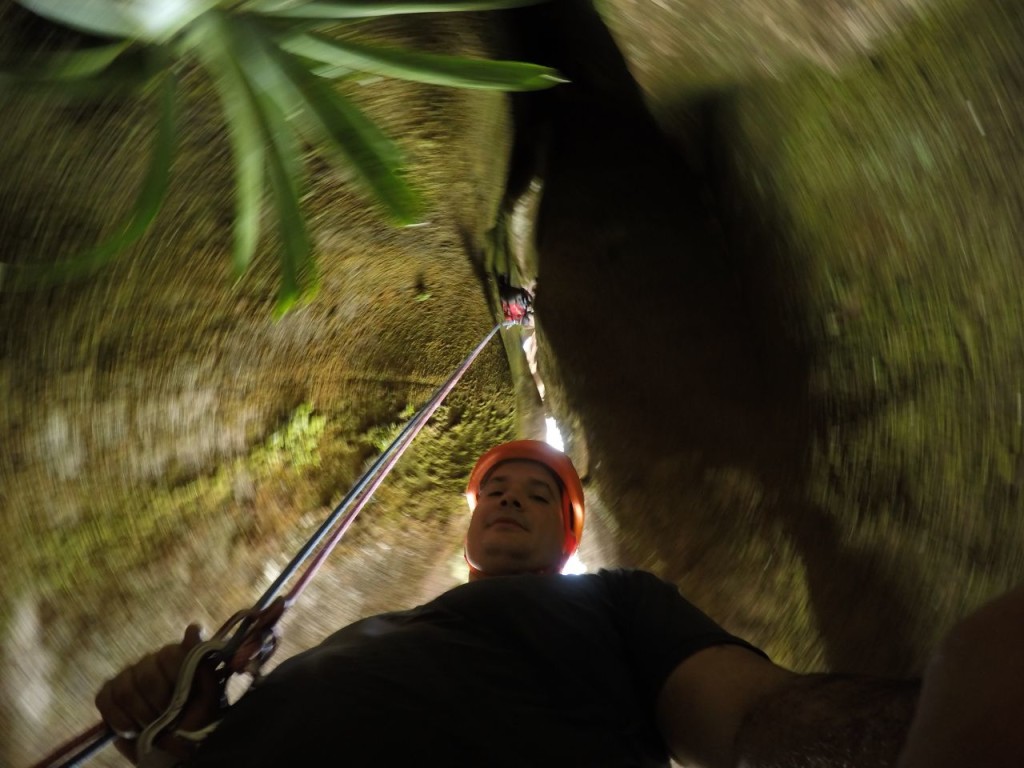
point(177, 694)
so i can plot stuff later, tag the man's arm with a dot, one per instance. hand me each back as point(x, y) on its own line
point(703, 703)
point(972, 702)
point(829, 720)
point(727, 707)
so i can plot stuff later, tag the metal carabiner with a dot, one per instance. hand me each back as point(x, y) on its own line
point(204, 651)
point(244, 652)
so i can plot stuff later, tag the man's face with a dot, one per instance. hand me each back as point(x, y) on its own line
point(517, 524)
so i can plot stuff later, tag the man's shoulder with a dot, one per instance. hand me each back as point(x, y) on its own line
point(627, 573)
point(634, 576)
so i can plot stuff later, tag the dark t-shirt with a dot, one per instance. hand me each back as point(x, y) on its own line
point(510, 671)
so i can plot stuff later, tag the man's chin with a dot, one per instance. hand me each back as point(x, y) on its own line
point(503, 561)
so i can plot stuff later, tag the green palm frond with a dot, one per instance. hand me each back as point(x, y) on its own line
point(75, 65)
point(271, 70)
point(105, 18)
point(340, 126)
point(150, 20)
point(433, 69)
point(87, 74)
point(273, 99)
point(245, 131)
point(336, 10)
point(295, 246)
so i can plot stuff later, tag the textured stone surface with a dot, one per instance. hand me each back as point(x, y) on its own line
point(785, 317)
point(699, 43)
point(778, 322)
point(167, 443)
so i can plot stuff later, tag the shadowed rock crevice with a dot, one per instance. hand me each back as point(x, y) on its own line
point(649, 317)
point(683, 329)
point(851, 593)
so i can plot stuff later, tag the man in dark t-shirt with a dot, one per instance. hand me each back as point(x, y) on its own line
point(564, 662)
point(525, 667)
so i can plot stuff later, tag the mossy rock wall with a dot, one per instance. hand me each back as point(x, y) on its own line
point(168, 443)
point(778, 312)
point(785, 318)
point(889, 198)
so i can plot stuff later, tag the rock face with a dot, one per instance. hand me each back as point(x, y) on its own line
point(696, 44)
point(778, 321)
point(167, 443)
point(784, 315)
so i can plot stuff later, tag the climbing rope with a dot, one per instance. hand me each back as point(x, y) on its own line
point(247, 640)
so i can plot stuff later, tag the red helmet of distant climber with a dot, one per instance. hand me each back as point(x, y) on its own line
point(559, 464)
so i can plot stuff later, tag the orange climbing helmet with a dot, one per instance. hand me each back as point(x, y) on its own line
point(536, 450)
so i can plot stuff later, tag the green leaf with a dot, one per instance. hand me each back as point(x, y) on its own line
point(295, 243)
point(145, 209)
point(161, 20)
point(272, 97)
point(106, 18)
point(251, 47)
point(369, 152)
point(453, 71)
point(152, 20)
point(329, 119)
point(70, 76)
point(247, 142)
point(75, 65)
point(328, 10)
point(331, 72)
